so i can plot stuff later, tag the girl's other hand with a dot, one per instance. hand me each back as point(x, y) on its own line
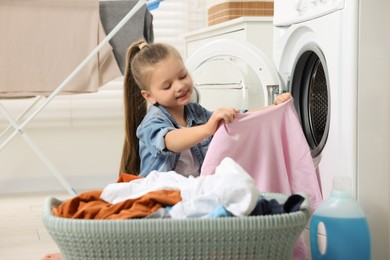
point(279, 99)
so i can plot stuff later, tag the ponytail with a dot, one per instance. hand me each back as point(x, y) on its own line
point(140, 61)
point(134, 111)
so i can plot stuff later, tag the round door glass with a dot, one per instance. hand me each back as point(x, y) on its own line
point(227, 81)
point(311, 96)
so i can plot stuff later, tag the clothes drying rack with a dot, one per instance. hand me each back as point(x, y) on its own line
point(19, 124)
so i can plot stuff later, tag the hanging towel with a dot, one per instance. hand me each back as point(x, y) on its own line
point(140, 26)
point(42, 42)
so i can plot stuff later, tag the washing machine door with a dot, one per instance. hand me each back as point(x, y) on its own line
point(232, 73)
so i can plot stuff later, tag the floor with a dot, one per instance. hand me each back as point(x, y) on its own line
point(22, 234)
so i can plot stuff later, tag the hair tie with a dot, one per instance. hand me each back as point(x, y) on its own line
point(142, 45)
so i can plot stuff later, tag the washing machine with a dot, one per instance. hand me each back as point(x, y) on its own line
point(333, 55)
point(232, 73)
point(315, 52)
point(231, 64)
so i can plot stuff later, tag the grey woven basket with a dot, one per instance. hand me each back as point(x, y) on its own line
point(252, 237)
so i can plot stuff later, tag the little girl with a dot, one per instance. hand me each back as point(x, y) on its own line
point(173, 134)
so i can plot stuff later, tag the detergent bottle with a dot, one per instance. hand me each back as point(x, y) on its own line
point(346, 227)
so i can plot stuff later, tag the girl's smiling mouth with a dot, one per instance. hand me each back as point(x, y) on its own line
point(183, 95)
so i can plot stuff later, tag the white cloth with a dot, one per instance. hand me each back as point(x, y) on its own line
point(187, 165)
point(230, 186)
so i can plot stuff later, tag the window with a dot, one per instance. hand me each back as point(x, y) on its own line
point(174, 18)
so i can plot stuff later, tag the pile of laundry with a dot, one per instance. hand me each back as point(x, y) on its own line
point(230, 191)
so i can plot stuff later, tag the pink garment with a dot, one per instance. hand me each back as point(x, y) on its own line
point(271, 147)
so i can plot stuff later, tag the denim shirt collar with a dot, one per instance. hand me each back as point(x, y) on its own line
point(191, 118)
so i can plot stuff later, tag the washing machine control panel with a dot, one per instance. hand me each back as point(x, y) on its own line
point(289, 12)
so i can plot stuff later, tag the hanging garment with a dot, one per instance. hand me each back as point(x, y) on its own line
point(44, 41)
point(140, 26)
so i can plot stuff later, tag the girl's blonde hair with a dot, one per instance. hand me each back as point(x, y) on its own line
point(140, 60)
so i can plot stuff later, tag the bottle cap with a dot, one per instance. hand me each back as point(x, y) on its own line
point(342, 187)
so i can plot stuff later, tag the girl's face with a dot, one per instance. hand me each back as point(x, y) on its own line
point(170, 84)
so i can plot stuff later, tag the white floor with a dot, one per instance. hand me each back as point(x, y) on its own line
point(22, 234)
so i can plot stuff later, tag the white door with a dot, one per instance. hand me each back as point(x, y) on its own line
point(232, 73)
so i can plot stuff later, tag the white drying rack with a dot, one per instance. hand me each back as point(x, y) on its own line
point(19, 126)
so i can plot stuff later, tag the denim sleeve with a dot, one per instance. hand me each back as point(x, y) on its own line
point(152, 132)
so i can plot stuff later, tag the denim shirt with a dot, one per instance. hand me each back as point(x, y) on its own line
point(151, 133)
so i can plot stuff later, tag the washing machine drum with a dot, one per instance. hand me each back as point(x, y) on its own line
point(231, 73)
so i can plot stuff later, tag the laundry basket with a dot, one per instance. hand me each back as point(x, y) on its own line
point(253, 237)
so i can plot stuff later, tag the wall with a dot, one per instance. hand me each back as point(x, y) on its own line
point(374, 122)
point(174, 18)
point(81, 135)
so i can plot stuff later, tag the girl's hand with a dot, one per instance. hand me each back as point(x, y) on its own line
point(279, 99)
point(178, 140)
point(225, 114)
